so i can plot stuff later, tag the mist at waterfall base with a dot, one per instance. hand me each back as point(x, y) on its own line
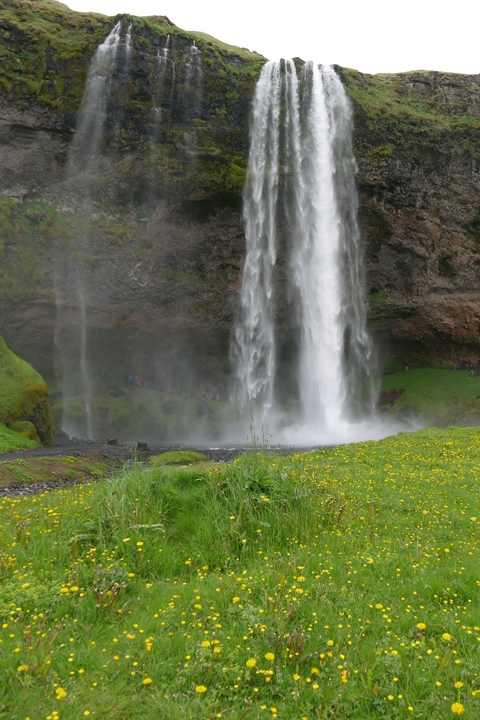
point(302, 368)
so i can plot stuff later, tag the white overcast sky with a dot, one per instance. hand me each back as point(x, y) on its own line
point(369, 35)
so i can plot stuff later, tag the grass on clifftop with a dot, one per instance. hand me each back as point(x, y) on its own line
point(338, 584)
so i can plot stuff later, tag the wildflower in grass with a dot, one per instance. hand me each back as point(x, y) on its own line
point(296, 677)
point(447, 637)
point(201, 689)
point(251, 662)
point(22, 668)
point(458, 708)
point(147, 681)
point(60, 693)
point(269, 656)
point(458, 685)
point(206, 643)
point(421, 626)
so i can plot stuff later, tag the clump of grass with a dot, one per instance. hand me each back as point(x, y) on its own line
point(340, 583)
point(177, 457)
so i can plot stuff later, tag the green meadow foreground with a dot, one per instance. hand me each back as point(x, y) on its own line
point(343, 583)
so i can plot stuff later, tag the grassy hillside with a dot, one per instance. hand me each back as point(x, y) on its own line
point(342, 583)
point(432, 396)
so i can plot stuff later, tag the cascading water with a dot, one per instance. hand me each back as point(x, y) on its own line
point(161, 71)
point(255, 340)
point(301, 140)
point(192, 99)
point(72, 269)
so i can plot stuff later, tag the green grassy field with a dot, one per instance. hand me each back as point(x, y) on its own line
point(437, 397)
point(339, 584)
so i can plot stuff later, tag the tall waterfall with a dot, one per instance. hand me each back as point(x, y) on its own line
point(300, 197)
point(73, 268)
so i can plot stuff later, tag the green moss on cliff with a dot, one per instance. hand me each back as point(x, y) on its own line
point(23, 397)
point(426, 107)
point(29, 231)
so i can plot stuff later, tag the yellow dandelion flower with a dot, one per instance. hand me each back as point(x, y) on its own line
point(206, 643)
point(147, 681)
point(446, 636)
point(201, 689)
point(458, 685)
point(458, 708)
point(251, 663)
point(269, 656)
point(421, 626)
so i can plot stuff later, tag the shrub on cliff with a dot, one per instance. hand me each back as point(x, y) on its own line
point(24, 401)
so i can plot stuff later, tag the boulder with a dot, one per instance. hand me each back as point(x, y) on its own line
point(24, 400)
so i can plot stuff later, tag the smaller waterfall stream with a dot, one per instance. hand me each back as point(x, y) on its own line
point(161, 66)
point(72, 268)
point(300, 145)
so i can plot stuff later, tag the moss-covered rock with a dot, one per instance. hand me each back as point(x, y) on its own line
point(11, 441)
point(24, 401)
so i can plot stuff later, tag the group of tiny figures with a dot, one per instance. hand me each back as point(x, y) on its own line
point(463, 365)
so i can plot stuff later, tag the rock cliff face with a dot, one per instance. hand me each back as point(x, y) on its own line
point(166, 240)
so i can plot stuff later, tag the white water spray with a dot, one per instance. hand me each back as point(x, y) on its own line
point(301, 140)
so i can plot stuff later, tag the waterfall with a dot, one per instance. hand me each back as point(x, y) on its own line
point(301, 147)
point(192, 99)
point(160, 76)
point(194, 79)
point(73, 266)
point(254, 335)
